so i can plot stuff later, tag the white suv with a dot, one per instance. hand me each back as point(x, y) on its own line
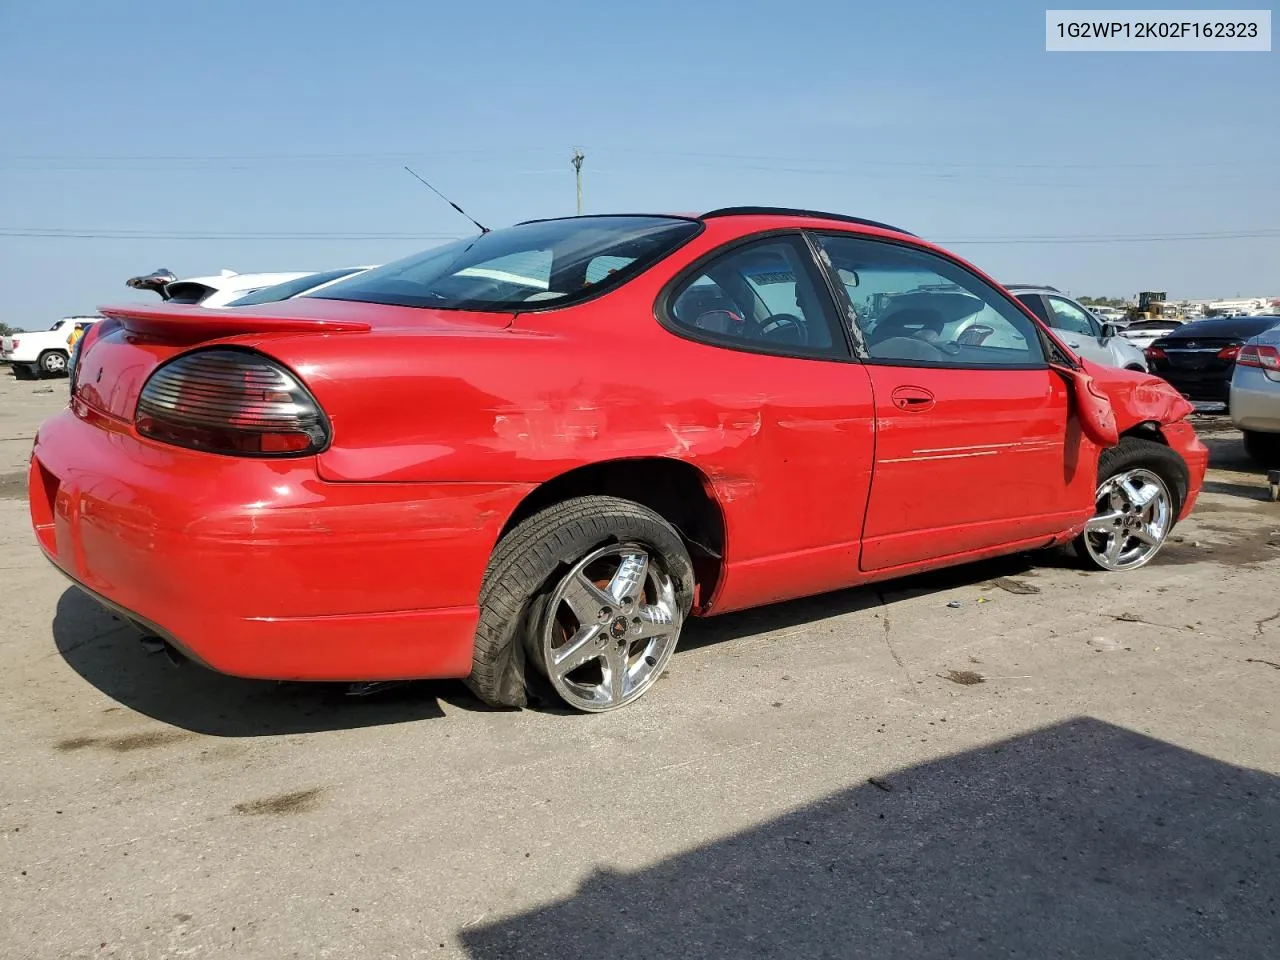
point(43, 353)
point(1080, 329)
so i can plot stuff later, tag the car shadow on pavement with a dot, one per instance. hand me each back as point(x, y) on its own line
point(109, 654)
point(1246, 491)
point(1078, 840)
point(795, 613)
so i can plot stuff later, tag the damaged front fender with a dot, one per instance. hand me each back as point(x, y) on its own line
point(1138, 397)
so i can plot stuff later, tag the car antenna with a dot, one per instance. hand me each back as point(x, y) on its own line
point(483, 228)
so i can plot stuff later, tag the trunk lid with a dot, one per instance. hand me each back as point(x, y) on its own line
point(119, 353)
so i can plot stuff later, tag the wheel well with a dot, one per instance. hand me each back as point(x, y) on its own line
point(1146, 430)
point(1134, 366)
point(675, 490)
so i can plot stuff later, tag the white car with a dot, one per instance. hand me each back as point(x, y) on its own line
point(1100, 342)
point(41, 353)
point(229, 288)
point(307, 283)
point(1143, 333)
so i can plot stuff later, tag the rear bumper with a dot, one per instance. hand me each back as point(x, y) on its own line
point(1255, 401)
point(258, 568)
point(1213, 386)
point(1182, 438)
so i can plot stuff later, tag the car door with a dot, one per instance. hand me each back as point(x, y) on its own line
point(1081, 332)
point(788, 440)
point(972, 441)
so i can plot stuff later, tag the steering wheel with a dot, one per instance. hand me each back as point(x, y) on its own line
point(780, 328)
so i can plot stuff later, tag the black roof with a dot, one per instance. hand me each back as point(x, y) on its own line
point(1031, 286)
point(737, 212)
point(1223, 327)
point(798, 212)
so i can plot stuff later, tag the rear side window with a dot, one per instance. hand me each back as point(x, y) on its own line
point(762, 296)
point(1035, 303)
point(549, 263)
point(1067, 316)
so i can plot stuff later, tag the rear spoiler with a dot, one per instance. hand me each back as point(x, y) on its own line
point(192, 323)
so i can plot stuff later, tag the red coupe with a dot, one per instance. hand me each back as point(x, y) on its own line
point(526, 458)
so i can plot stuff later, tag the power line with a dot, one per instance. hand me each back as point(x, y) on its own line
point(126, 234)
point(1109, 164)
point(1151, 238)
point(91, 234)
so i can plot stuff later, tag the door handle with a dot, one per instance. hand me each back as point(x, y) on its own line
point(1072, 343)
point(913, 399)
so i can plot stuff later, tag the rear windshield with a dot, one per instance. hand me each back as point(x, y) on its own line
point(550, 263)
point(290, 288)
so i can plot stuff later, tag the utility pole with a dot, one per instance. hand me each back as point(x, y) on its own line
point(576, 160)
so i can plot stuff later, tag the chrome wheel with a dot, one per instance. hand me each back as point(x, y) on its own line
point(54, 363)
point(1134, 515)
point(609, 627)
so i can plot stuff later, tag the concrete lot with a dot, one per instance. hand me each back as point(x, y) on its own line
point(807, 782)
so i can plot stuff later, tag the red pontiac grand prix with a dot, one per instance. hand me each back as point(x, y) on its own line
point(526, 458)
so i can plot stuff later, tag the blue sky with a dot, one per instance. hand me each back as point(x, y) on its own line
point(256, 119)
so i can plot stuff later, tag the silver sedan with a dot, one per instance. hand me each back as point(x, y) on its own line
point(1255, 397)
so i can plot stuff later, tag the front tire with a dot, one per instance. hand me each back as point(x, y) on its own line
point(593, 592)
point(1141, 485)
point(52, 363)
point(1263, 448)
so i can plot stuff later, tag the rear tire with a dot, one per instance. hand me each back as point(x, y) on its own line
point(52, 363)
point(523, 600)
point(1263, 448)
point(1141, 487)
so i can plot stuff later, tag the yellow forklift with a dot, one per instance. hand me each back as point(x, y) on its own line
point(1150, 306)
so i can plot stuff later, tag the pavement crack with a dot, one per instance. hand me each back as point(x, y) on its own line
point(888, 642)
point(1134, 618)
point(1257, 627)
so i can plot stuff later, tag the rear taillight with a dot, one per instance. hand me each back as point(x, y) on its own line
point(13, 344)
point(1229, 353)
point(1259, 355)
point(233, 402)
point(1155, 353)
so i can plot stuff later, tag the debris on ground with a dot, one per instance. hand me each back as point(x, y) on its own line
point(882, 784)
point(1106, 645)
point(1020, 587)
point(1268, 663)
point(966, 678)
point(953, 604)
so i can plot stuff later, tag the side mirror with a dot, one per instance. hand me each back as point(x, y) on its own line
point(1110, 330)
